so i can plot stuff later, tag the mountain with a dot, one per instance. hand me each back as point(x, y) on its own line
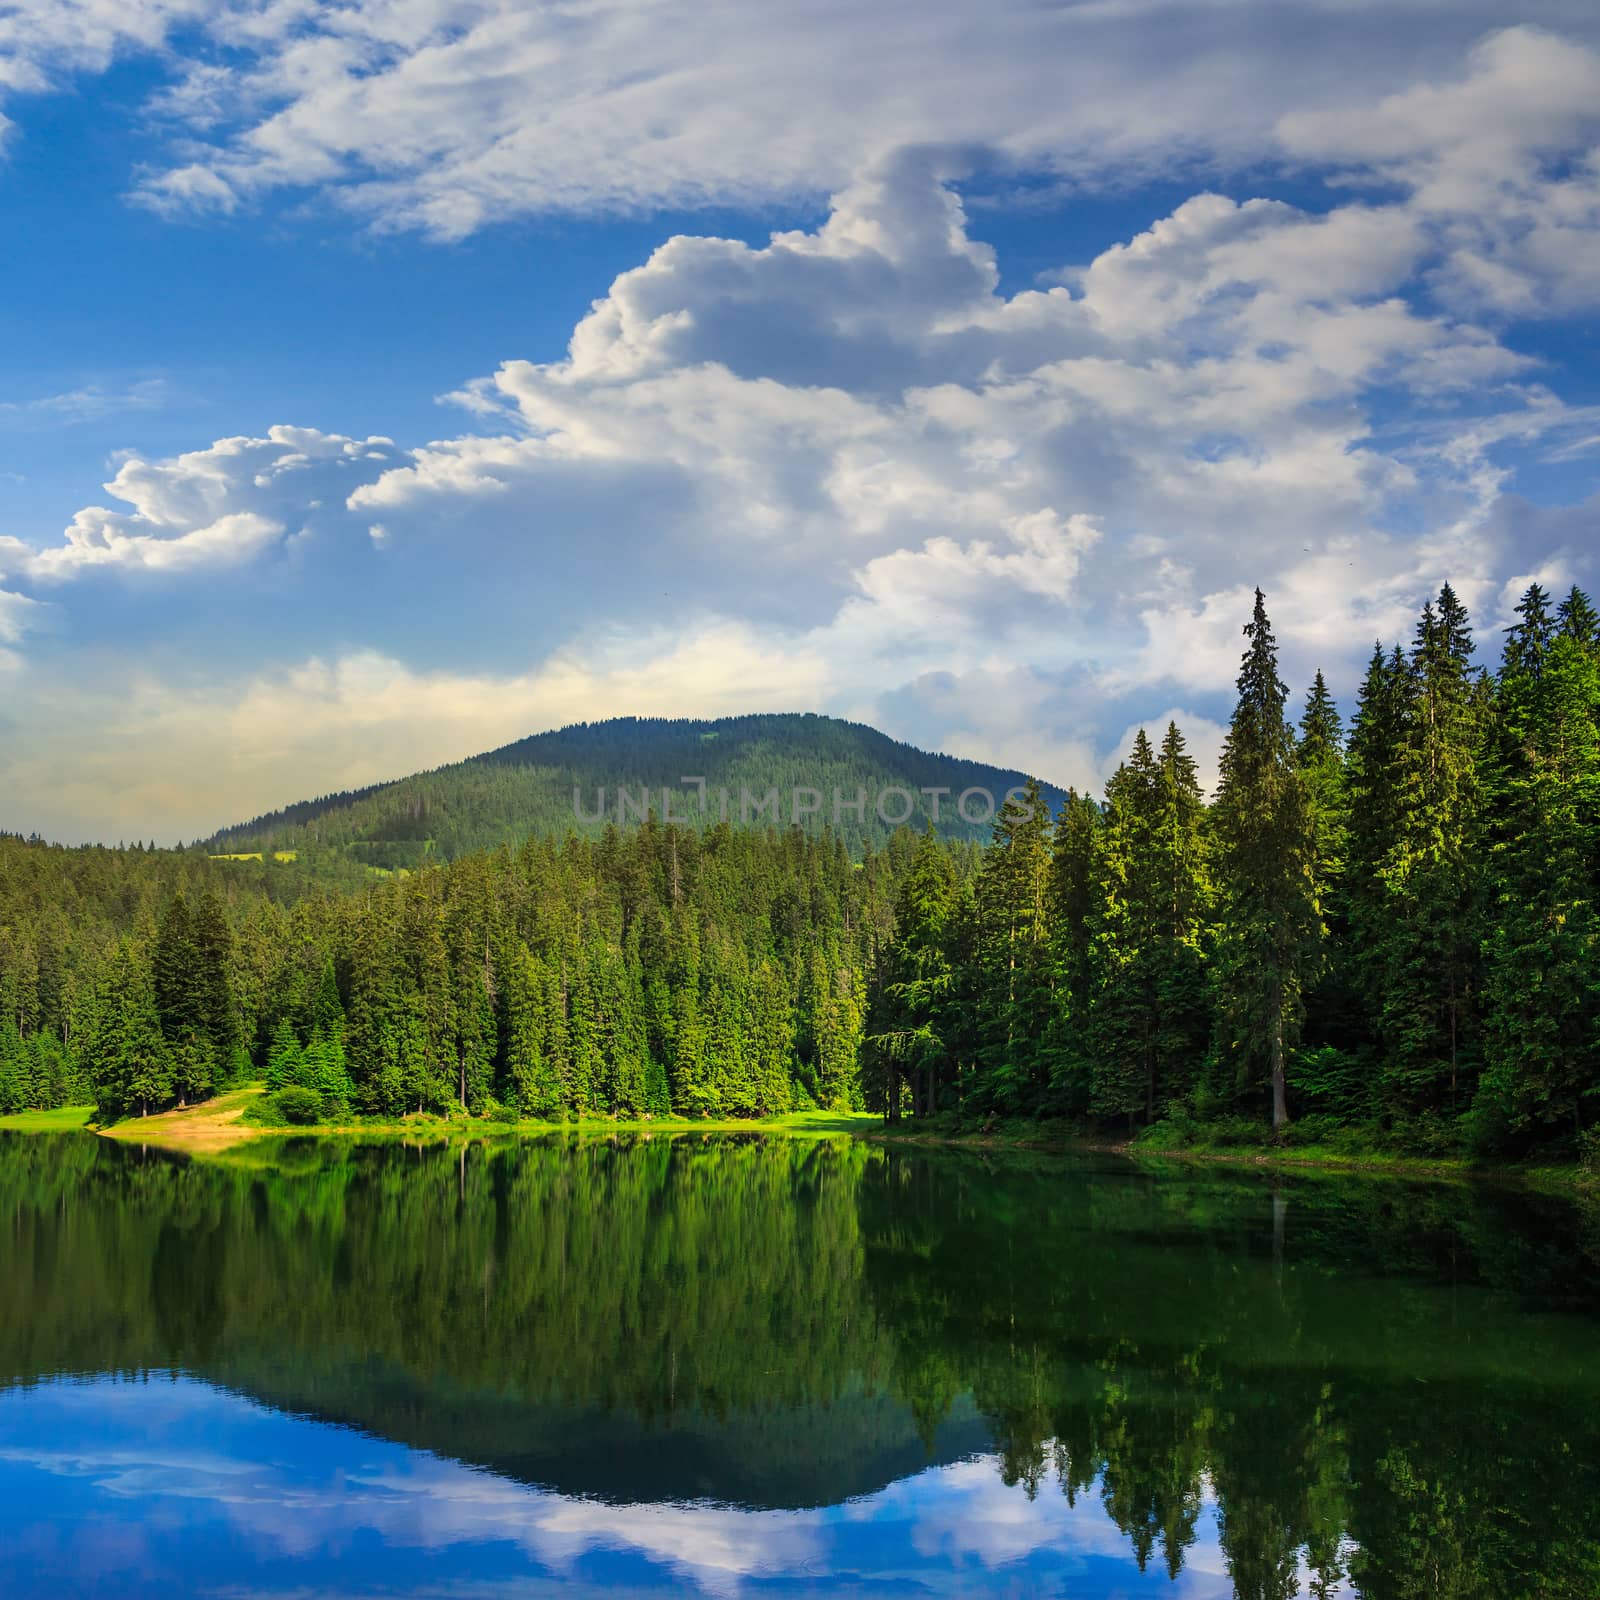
point(579, 777)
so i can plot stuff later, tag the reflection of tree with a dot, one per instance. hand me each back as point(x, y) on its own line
point(1369, 1399)
point(1161, 1340)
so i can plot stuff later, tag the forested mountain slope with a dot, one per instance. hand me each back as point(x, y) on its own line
point(528, 787)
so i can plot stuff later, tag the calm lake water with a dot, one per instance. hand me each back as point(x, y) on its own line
point(738, 1366)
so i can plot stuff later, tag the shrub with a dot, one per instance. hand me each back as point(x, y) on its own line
point(1589, 1151)
point(300, 1107)
point(1176, 1131)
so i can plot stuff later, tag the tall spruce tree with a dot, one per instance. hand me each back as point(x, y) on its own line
point(1430, 945)
point(1542, 981)
point(1070, 905)
point(1271, 927)
point(1123, 956)
point(1014, 953)
point(914, 986)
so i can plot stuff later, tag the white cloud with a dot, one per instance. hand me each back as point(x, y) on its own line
point(206, 509)
point(18, 614)
point(446, 114)
point(90, 402)
point(1502, 165)
point(1102, 455)
point(15, 612)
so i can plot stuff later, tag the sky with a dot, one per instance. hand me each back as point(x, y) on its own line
point(381, 383)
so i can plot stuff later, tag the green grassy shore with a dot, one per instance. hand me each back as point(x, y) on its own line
point(246, 1114)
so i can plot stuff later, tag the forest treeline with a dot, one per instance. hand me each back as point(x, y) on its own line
point(646, 970)
point(1391, 928)
point(1388, 929)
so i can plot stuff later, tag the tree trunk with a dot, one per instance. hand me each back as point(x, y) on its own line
point(1280, 1102)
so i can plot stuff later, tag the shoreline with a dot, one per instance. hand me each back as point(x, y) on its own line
point(1306, 1159)
point(220, 1124)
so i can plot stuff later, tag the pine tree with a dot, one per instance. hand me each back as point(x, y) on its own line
point(327, 1009)
point(283, 1060)
point(131, 1064)
point(1542, 985)
point(914, 986)
point(1014, 954)
point(213, 978)
point(1122, 951)
point(771, 1040)
point(1271, 927)
point(531, 1079)
point(178, 988)
point(1070, 906)
point(1184, 910)
point(1578, 619)
point(1430, 947)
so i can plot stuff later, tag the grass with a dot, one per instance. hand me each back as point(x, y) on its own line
point(245, 1114)
point(64, 1119)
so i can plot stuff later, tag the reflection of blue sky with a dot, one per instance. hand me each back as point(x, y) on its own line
point(171, 1487)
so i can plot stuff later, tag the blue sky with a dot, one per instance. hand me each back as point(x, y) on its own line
point(379, 385)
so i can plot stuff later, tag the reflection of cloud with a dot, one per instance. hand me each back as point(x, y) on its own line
point(164, 1460)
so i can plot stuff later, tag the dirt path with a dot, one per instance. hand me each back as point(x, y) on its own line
point(213, 1125)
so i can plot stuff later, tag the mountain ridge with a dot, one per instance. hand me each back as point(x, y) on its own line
point(564, 779)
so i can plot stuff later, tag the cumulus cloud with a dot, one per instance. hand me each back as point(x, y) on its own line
point(206, 509)
point(1502, 165)
point(981, 470)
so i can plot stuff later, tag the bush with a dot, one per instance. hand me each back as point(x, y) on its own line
point(1175, 1131)
point(299, 1107)
point(1321, 1129)
point(1589, 1151)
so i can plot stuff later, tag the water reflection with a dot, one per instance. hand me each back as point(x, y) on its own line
point(770, 1364)
point(175, 1487)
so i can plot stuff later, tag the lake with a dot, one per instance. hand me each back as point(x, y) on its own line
point(738, 1365)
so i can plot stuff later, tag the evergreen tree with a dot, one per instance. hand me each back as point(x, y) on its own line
point(1013, 954)
point(914, 986)
point(1430, 946)
point(1542, 1029)
point(213, 977)
point(131, 1064)
point(1070, 907)
point(1271, 928)
point(178, 991)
